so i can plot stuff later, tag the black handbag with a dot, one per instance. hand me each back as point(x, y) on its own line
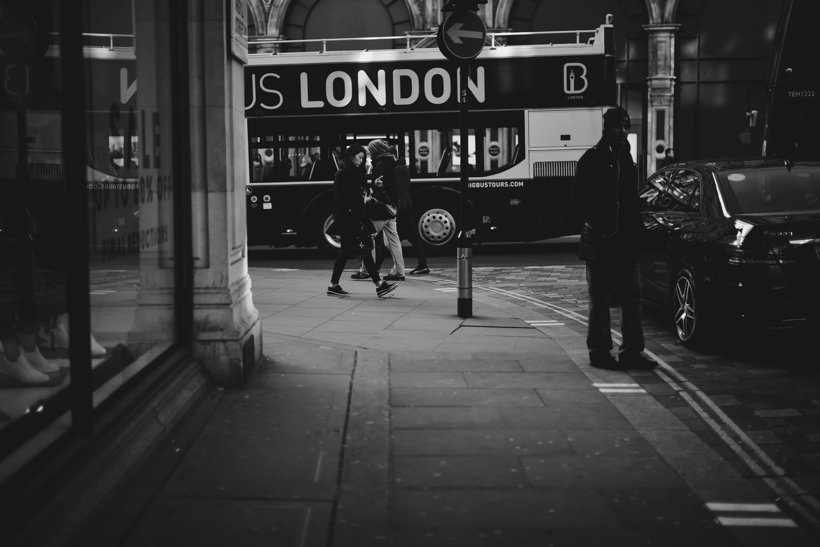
point(379, 210)
point(364, 237)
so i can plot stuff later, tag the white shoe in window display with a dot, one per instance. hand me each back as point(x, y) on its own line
point(36, 360)
point(21, 370)
point(57, 338)
point(96, 348)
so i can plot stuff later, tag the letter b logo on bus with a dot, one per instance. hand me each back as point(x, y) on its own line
point(575, 78)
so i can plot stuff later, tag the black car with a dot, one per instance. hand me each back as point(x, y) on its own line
point(732, 239)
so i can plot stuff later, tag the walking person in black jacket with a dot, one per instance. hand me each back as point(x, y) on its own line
point(350, 221)
point(605, 197)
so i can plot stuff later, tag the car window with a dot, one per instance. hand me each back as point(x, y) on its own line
point(772, 189)
point(653, 192)
point(672, 190)
point(684, 192)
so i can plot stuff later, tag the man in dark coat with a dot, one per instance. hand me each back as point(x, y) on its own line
point(604, 198)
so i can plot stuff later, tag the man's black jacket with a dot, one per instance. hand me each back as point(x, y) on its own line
point(604, 200)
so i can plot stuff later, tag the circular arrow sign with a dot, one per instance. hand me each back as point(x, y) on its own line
point(461, 35)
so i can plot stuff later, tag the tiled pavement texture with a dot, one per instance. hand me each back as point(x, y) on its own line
point(766, 382)
point(394, 422)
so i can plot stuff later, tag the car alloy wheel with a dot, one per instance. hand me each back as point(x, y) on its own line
point(685, 307)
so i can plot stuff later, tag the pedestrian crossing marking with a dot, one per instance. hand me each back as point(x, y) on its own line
point(448, 289)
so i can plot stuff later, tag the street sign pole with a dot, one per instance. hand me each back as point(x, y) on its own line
point(461, 38)
point(465, 247)
point(464, 256)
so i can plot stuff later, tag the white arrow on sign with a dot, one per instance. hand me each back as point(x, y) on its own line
point(456, 34)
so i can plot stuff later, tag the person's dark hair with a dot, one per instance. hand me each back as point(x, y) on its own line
point(614, 115)
point(348, 154)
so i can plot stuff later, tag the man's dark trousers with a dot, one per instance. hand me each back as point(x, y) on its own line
point(605, 277)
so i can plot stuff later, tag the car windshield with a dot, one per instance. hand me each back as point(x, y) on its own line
point(771, 189)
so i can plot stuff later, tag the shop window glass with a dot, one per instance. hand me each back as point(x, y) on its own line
point(33, 227)
point(129, 187)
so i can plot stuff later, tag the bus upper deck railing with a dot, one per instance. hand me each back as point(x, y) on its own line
point(261, 45)
point(99, 45)
point(110, 41)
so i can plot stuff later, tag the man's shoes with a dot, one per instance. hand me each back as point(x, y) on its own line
point(336, 290)
point(394, 277)
point(360, 276)
point(604, 360)
point(636, 361)
point(419, 270)
point(384, 288)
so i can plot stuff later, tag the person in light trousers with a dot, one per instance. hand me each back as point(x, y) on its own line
point(384, 172)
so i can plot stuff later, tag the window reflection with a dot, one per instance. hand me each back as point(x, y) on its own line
point(34, 318)
point(129, 186)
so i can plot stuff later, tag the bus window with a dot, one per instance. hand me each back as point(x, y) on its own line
point(290, 158)
point(490, 150)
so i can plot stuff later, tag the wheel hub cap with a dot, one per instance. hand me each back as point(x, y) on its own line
point(437, 226)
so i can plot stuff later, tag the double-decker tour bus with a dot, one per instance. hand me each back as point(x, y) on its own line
point(534, 108)
point(793, 90)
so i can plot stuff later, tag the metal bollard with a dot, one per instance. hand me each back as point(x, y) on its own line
point(464, 272)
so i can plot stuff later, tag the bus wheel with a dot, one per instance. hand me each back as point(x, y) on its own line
point(437, 227)
point(325, 241)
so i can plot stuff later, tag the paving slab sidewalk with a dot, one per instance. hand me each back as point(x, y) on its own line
point(395, 422)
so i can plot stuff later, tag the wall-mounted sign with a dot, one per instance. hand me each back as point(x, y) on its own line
point(238, 29)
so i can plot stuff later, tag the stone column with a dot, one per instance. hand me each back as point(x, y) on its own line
point(661, 92)
point(227, 329)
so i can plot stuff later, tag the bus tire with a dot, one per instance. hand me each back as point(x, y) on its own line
point(324, 241)
point(437, 226)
